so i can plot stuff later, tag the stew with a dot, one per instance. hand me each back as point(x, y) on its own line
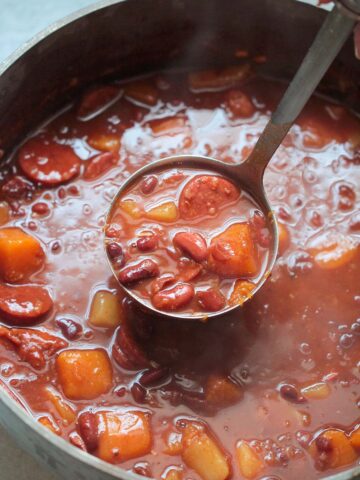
point(270, 391)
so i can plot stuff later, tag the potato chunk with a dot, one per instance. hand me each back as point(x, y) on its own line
point(131, 207)
point(202, 454)
point(21, 254)
point(233, 253)
point(84, 374)
point(166, 212)
point(123, 436)
point(249, 463)
point(106, 310)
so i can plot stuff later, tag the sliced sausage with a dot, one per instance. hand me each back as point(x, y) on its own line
point(23, 305)
point(173, 298)
point(192, 244)
point(47, 162)
point(205, 195)
point(98, 165)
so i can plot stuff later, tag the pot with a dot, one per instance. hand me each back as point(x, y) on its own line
point(130, 37)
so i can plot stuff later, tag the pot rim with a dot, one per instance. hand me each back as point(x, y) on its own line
point(116, 471)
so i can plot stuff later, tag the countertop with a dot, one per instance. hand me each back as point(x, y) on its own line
point(19, 21)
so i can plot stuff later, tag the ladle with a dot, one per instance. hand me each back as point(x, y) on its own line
point(248, 175)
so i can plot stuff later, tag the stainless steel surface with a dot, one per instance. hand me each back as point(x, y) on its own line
point(351, 8)
point(248, 175)
point(126, 38)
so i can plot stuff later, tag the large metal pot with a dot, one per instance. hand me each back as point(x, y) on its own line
point(131, 37)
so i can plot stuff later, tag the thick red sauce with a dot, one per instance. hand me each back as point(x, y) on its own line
point(248, 378)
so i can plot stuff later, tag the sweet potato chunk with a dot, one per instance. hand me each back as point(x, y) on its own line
point(333, 449)
point(332, 250)
point(84, 374)
point(241, 292)
point(62, 407)
point(249, 463)
point(233, 253)
point(355, 439)
point(130, 207)
point(48, 422)
point(220, 391)
point(166, 212)
point(21, 254)
point(202, 454)
point(123, 436)
point(32, 346)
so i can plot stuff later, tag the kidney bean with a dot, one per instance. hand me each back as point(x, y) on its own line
point(153, 375)
point(17, 188)
point(24, 304)
point(147, 243)
point(138, 392)
point(189, 272)
point(193, 244)
point(291, 394)
point(143, 469)
point(323, 444)
point(69, 328)
point(140, 271)
point(114, 250)
point(211, 300)
point(148, 184)
point(174, 297)
point(88, 428)
point(40, 208)
point(160, 283)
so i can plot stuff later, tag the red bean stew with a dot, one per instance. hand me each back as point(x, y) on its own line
point(188, 240)
point(271, 391)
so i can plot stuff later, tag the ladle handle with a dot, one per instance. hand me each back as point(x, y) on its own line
point(331, 37)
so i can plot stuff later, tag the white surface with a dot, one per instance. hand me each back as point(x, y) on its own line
point(19, 21)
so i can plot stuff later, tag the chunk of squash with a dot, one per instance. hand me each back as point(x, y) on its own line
point(106, 310)
point(166, 212)
point(249, 463)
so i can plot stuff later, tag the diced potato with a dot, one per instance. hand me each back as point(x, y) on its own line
point(241, 292)
point(84, 374)
point(173, 473)
point(105, 142)
point(249, 463)
point(173, 444)
point(355, 439)
point(284, 238)
point(4, 213)
point(166, 212)
point(168, 126)
point(233, 253)
point(21, 254)
point(218, 79)
point(220, 391)
point(332, 250)
point(131, 207)
point(341, 453)
point(201, 453)
point(63, 408)
point(317, 391)
point(106, 310)
point(143, 92)
point(123, 436)
point(48, 422)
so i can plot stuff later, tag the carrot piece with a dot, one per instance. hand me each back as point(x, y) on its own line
point(84, 374)
point(123, 436)
point(249, 463)
point(21, 254)
point(233, 252)
point(202, 454)
point(332, 250)
point(339, 451)
point(48, 422)
point(241, 292)
point(166, 212)
point(63, 408)
point(355, 438)
point(220, 391)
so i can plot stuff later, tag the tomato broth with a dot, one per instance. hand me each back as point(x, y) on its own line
point(270, 391)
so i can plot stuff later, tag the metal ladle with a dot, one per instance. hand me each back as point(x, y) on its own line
point(248, 175)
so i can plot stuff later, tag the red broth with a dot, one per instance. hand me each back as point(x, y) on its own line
point(187, 240)
point(271, 391)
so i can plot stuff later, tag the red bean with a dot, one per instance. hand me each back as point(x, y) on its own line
point(17, 188)
point(153, 375)
point(138, 392)
point(41, 208)
point(140, 271)
point(147, 243)
point(193, 244)
point(24, 304)
point(69, 328)
point(88, 428)
point(291, 394)
point(211, 300)
point(114, 250)
point(160, 283)
point(324, 444)
point(173, 298)
point(148, 184)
